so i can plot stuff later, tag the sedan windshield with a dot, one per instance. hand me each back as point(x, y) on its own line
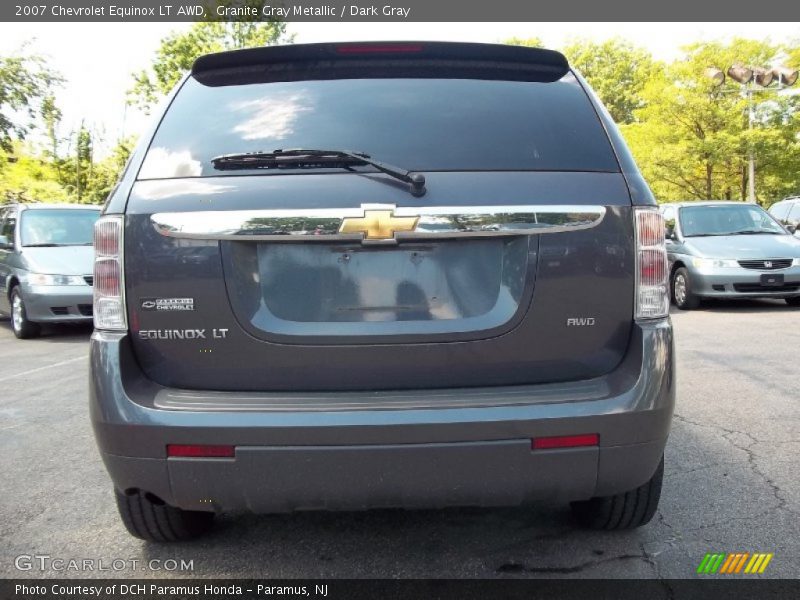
point(58, 227)
point(727, 219)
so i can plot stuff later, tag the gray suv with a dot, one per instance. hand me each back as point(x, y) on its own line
point(350, 276)
point(46, 263)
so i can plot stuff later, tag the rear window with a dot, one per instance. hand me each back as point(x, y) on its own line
point(417, 124)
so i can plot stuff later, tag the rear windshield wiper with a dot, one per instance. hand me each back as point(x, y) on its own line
point(311, 158)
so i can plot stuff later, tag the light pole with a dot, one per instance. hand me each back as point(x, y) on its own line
point(749, 78)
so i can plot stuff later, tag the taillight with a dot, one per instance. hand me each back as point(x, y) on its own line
point(109, 284)
point(652, 292)
point(106, 237)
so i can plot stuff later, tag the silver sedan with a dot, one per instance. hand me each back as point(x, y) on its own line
point(729, 250)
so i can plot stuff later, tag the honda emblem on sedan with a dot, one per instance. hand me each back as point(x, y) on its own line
point(378, 224)
point(767, 264)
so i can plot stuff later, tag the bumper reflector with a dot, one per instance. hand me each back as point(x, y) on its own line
point(201, 451)
point(565, 441)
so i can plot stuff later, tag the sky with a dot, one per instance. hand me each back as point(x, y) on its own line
point(97, 59)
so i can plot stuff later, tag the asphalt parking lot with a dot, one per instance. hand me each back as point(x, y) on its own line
point(732, 481)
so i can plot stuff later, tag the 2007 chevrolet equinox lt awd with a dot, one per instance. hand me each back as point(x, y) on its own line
point(351, 276)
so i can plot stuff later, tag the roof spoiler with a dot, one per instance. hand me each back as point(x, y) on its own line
point(361, 59)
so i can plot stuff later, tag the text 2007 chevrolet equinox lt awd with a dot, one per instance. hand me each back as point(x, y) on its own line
point(352, 276)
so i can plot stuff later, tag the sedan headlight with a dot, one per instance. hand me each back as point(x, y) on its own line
point(796, 262)
point(714, 263)
point(42, 279)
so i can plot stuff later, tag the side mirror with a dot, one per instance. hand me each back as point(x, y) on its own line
point(789, 228)
point(669, 233)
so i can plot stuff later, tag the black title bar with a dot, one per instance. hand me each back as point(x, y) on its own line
point(732, 588)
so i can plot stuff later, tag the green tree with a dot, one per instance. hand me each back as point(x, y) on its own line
point(531, 42)
point(120, 154)
point(791, 55)
point(84, 148)
point(178, 51)
point(617, 71)
point(25, 82)
point(29, 177)
point(33, 175)
point(51, 115)
point(104, 174)
point(691, 139)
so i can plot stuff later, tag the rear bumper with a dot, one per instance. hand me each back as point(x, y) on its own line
point(360, 454)
point(743, 283)
point(58, 303)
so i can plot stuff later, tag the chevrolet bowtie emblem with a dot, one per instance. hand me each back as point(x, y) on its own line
point(378, 224)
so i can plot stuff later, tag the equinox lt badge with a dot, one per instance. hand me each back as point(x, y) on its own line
point(182, 334)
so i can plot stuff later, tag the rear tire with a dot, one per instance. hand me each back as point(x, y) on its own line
point(22, 327)
point(622, 511)
point(682, 294)
point(795, 301)
point(149, 518)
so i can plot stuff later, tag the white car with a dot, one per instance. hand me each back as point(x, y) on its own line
point(787, 211)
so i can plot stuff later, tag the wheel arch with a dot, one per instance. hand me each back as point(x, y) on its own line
point(675, 266)
point(13, 281)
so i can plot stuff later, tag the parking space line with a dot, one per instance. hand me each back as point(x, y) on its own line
point(37, 369)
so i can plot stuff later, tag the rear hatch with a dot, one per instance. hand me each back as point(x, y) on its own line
point(515, 266)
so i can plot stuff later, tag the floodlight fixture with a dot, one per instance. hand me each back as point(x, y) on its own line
point(785, 75)
point(740, 73)
point(715, 75)
point(763, 77)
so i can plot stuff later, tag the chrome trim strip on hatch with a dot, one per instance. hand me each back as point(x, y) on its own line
point(377, 222)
